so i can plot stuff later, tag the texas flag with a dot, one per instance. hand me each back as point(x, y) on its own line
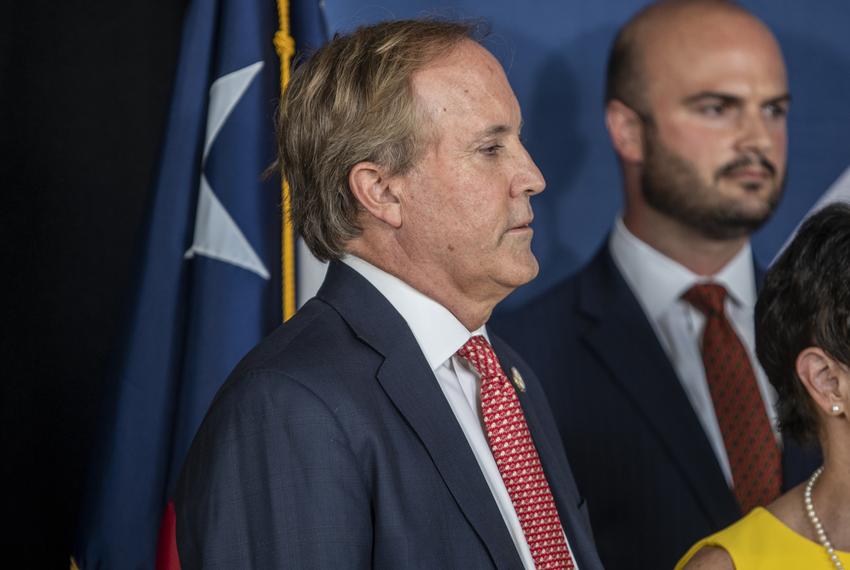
point(208, 283)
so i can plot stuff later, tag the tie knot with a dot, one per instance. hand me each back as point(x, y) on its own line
point(708, 298)
point(480, 354)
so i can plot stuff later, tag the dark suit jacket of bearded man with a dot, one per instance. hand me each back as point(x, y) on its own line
point(637, 449)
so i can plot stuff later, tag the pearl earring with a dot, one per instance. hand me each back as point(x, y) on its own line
point(836, 409)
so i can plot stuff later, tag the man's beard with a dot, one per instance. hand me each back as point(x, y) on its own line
point(671, 185)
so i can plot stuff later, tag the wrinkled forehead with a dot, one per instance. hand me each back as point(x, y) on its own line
point(467, 83)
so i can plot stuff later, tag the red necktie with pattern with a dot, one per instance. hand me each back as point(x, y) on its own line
point(750, 444)
point(517, 459)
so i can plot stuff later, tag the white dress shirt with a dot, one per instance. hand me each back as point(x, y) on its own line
point(440, 335)
point(658, 282)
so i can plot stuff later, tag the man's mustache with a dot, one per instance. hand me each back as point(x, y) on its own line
point(746, 162)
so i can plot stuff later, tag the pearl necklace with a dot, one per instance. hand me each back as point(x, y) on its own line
point(810, 510)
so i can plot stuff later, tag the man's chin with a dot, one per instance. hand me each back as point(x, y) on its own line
point(522, 272)
point(733, 225)
point(752, 194)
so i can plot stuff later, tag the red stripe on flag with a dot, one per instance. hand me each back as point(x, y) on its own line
point(166, 550)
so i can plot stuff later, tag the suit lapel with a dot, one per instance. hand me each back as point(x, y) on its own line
point(409, 382)
point(555, 465)
point(554, 461)
point(642, 370)
point(415, 392)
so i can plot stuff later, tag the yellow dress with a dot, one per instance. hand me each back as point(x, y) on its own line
point(760, 541)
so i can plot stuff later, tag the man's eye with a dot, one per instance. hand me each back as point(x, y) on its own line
point(492, 149)
point(776, 111)
point(713, 109)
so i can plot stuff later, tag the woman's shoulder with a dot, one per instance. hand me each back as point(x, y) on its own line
point(788, 509)
point(733, 546)
point(710, 557)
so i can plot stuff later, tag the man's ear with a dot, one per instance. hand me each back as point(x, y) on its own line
point(826, 381)
point(376, 192)
point(625, 128)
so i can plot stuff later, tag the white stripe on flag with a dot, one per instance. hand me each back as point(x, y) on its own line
point(838, 192)
point(310, 274)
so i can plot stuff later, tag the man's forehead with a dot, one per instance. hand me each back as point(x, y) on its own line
point(468, 82)
point(466, 50)
point(732, 71)
point(466, 66)
point(728, 51)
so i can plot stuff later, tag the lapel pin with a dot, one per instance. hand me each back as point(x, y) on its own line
point(517, 379)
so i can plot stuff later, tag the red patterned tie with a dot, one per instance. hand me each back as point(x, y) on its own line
point(517, 459)
point(750, 444)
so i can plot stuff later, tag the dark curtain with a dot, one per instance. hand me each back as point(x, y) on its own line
point(84, 92)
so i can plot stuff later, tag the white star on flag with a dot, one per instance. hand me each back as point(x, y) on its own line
point(217, 235)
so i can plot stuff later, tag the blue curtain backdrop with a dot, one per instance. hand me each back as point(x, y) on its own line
point(555, 51)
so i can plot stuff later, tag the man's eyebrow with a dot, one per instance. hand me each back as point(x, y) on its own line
point(784, 98)
point(497, 130)
point(494, 131)
point(697, 97)
point(727, 98)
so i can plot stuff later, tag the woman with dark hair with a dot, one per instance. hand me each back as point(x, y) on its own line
point(803, 343)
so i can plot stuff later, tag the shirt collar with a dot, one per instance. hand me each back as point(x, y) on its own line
point(437, 331)
point(658, 281)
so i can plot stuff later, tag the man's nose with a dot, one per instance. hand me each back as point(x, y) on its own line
point(757, 132)
point(529, 180)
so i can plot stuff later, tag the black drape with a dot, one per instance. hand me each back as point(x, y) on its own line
point(84, 92)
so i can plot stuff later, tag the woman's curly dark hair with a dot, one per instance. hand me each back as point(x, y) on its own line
point(805, 301)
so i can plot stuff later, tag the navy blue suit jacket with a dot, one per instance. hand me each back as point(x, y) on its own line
point(331, 445)
point(637, 449)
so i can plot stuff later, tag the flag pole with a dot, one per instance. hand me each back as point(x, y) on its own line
point(285, 46)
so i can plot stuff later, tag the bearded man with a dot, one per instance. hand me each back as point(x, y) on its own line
point(647, 352)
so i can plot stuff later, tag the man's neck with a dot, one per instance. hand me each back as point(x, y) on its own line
point(472, 312)
point(684, 244)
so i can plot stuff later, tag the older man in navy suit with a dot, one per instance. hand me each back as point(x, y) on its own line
point(384, 426)
point(647, 353)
